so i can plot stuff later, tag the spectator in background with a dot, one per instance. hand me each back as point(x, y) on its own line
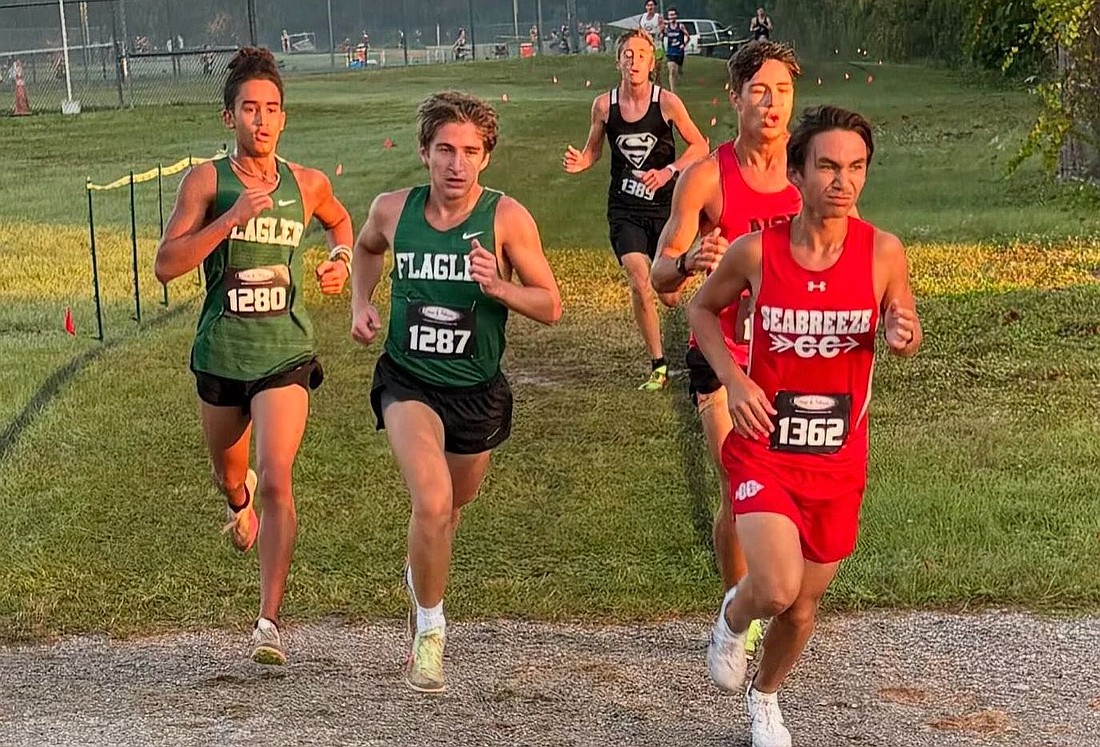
point(285, 39)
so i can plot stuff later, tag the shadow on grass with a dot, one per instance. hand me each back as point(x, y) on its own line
point(56, 381)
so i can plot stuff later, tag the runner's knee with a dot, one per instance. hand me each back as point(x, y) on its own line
point(801, 613)
point(774, 595)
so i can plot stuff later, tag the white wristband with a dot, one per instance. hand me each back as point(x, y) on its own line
point(341, 252)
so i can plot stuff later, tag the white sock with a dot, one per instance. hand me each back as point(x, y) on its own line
point(430, 617)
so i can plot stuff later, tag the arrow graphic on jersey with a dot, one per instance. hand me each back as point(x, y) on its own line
point(636, 147)
point(807, 346)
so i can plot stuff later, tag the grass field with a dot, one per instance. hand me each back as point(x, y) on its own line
point(983, 477)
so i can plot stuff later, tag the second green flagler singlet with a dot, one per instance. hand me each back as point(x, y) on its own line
point(253, 323)
point(443, 329)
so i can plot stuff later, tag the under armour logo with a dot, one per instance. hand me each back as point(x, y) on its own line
point(812, 286)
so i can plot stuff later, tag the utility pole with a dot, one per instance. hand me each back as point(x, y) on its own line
point(571, 19)
point(473, 42)
point(331, 40)
point(541, 29)
point(252, 22)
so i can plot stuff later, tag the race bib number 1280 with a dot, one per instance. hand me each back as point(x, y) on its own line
point(257, 291)
point(439, 331)
point(811, 423)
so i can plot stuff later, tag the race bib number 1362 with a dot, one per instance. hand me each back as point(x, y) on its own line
point(811, 423)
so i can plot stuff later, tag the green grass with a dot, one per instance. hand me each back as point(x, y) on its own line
point(984, 447)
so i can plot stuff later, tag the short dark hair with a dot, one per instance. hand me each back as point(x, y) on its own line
point(748, 60)
point(821, 119)
point(250, 63)
point(671, 9)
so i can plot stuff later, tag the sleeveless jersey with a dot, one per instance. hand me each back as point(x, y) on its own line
point(813, 353)
point(443, 329)
point(676, 36)
point(639, 146)
point(745, 210)
point(253, 322)
point(651, 25)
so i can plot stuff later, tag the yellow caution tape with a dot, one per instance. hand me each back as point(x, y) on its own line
point(145, 176)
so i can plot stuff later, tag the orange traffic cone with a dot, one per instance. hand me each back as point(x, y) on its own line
point(22, 105)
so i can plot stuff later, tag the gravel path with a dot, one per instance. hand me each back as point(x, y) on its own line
point(919, 679)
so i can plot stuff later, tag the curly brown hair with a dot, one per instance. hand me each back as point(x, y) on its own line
point(250, 63)
point(451, 107)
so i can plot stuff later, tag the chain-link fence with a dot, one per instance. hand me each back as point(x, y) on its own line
point(124, 53)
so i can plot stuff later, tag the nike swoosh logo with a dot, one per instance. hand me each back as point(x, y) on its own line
point(284, 203)
point(468, 236)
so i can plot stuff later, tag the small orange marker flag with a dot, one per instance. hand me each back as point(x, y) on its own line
point(70, 325)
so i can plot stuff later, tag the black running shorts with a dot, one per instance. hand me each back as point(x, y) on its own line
point(222, 392)
point(475, 418)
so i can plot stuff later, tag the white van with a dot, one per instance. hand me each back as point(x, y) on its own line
point(709, 37)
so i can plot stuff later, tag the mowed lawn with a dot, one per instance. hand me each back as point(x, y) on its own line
point(982, 480)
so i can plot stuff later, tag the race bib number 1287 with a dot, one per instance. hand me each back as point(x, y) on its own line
point(439, 331)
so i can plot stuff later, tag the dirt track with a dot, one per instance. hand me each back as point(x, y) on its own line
point(879, 679)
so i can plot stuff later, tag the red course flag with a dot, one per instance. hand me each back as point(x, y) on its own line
point(70, 326)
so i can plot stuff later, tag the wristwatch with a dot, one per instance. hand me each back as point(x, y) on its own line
point(672, 167)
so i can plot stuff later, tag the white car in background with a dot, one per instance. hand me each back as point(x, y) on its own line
point(709, 37)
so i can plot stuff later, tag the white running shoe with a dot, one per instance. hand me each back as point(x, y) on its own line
point(767, 720)
point(267, 644)
point(726, 651)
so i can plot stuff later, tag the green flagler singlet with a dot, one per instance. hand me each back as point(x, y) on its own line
point(253, 322)
point(443, 329)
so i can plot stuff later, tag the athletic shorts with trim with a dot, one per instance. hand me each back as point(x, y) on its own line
point(823, 505)
point(475, 418)
point(222, 392)
point(635, 233)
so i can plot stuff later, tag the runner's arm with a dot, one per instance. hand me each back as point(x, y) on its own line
point(723, 288)
point(518, 239)
point(892, 264)
point(369, 253)
point(328, 210)
point(697, 144)
point(682, 226)
point(577, 161)
point(187, 238)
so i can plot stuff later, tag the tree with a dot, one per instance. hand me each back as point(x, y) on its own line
point(1067, 131)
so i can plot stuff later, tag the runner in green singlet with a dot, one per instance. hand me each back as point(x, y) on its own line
point(438, 389)
point(242, 217)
